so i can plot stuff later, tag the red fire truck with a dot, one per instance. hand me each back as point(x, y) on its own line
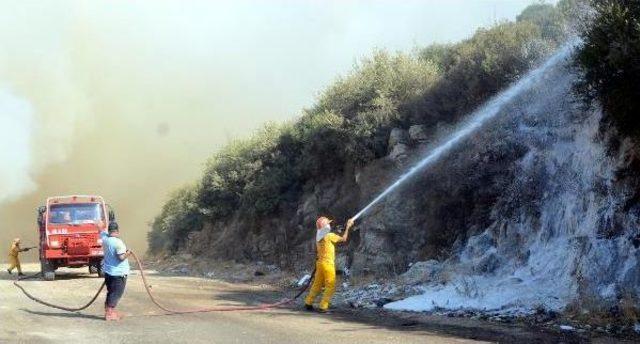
point(70, 229)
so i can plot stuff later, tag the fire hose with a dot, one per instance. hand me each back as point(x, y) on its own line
point(156, 302)
point(48, 304)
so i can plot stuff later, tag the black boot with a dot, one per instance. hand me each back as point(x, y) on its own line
point(308, 308)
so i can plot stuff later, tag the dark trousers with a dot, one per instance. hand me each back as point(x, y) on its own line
point(115, 289)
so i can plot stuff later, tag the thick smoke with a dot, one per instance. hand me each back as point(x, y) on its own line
point(122, 100)
point(96, 103)
point(128, 99)
point(16, 125)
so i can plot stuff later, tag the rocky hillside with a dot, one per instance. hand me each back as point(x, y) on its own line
point(552, 214)
point(267, 190)
point(538, 208)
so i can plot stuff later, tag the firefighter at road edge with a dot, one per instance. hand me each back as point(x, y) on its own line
point(14, 261)
point(116, 269)
point(325, 276)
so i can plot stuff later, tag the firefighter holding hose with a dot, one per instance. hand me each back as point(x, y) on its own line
point(325, 276)
point(14, 260)
point(116, 269)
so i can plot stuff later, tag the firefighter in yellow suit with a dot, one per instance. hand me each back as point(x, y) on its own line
point(325, 276)
point(14, 261)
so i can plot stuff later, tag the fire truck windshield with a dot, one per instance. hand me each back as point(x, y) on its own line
point(75, 213)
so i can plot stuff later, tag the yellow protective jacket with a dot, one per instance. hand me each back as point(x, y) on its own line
point(327, 248)
point(325, 277)
point(14, 250)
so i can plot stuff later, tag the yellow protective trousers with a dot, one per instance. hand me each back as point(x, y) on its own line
point(325, 277)
point(14, 263)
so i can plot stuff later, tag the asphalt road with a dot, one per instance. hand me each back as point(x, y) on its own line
point(25, 321)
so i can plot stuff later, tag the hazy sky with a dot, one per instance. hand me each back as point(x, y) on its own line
point(128, 98)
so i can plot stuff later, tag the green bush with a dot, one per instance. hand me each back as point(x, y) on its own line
point(179, 216)
point(548, 18)
point(372, 99)
point(478, 68)
point(235, 172)
point(611, 63)
point(439, 55)
point(320, 138)
point(378, 86)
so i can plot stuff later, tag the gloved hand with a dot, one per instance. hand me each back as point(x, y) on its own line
point(350, 223)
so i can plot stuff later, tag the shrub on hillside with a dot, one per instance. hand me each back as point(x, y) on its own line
point(550, 19)
point(478, 68)
point(179, 216)
point(373, 97)
point(610, 58)
point(235, 172)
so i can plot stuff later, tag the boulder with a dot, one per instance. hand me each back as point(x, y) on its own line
point(375, 252)
point(398, 136)
point(399, 152)
point(422, 272)
point(478, 246)
point(418, 133)
point(487, 264)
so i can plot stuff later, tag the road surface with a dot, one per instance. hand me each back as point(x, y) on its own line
point(25, 321)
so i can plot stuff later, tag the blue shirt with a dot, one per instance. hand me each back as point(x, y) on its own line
point(111, 264)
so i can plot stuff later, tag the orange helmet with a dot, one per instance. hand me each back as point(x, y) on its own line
point(322, 221)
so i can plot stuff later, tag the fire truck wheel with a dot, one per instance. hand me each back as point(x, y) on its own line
point(49, 276)
point(48, 271)
point(95, 267)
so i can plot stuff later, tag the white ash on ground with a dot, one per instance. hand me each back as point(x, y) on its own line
point(373, 295)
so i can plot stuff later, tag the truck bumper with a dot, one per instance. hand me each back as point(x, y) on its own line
point(94, 253)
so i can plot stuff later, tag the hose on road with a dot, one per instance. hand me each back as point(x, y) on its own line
point(210, 309)
point(153, 299)
point(48, 304)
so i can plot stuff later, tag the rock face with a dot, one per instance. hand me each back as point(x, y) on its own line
point(557, 220)
point(532, 210)
point(418, 133)
point(399, 141)
point(397, 136)
point(422, 272)
point(399, 152)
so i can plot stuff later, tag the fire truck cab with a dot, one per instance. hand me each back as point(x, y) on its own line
point(69, 228)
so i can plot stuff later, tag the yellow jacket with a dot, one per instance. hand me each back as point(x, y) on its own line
point(14, 250)
point(327, 248)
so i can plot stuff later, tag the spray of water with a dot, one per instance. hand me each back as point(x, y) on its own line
point(477, 119)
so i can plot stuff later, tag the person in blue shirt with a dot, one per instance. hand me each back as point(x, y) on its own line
point(116, 269)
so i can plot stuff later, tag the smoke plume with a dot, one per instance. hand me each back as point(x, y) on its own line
point(16, 125)
point(128, 99)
